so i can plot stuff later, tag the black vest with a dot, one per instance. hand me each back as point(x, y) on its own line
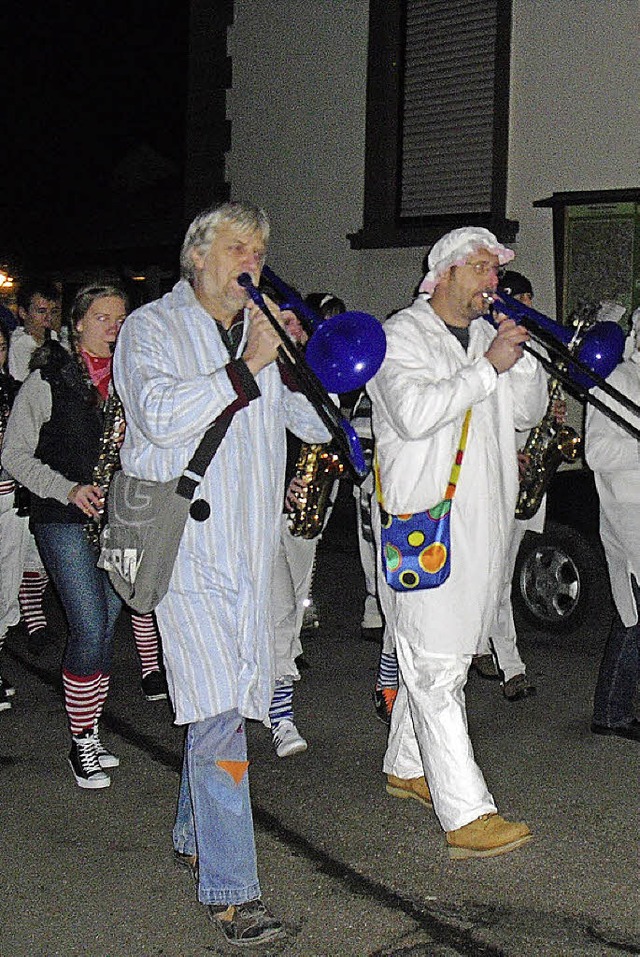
point(70, 441)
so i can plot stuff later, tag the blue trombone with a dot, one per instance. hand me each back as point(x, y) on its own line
point(582, 361)
point(342, 354)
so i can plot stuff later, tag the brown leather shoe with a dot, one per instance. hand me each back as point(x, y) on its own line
point(487, 836)
point(485, 667)
point(189, 861)
point(415, 788)
point(246, 925)
point(518, 687)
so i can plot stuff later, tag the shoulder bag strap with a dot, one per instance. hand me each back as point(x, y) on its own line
point(455, 468)
point(207, 448)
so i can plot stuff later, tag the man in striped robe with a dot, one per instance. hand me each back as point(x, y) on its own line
point(202, 349)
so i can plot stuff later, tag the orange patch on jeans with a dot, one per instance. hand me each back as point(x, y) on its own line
point(237, 769)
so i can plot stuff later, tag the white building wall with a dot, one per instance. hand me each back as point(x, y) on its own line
point(297, 108)
point(575, 114)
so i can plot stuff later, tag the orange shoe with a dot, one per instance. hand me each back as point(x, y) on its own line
point(415, 788)
point(487, 836)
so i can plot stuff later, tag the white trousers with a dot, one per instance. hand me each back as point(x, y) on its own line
point(429, 736)
point(503, 632)
point(291, 586)
point(16, 543)
point(365, 502)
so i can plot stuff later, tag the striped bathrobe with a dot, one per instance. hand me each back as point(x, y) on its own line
point(216, 619)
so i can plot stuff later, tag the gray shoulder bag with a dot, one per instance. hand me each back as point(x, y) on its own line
point(146, 521)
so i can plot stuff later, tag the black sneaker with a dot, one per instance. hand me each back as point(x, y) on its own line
point(83, 759)
point(154, 686)
point(37, 641)
point(105, 758)
point(9, 690)
point(246, 924)
point(5, 704)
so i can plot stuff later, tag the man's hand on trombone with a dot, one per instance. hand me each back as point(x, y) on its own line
point(263, 341)
point(506, 348)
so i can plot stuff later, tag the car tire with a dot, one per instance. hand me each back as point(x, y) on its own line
point(557, 578)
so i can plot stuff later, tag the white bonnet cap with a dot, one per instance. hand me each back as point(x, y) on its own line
point(633, 338)
point(455, 247)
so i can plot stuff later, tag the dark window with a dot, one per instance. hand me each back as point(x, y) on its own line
point(437, 120)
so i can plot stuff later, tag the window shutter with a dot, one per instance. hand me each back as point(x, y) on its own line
point(447, 136)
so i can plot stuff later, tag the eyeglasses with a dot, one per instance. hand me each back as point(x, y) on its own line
point(485, 268)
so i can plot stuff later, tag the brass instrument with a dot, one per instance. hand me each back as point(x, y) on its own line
point(108, 459)
point(5, 409)
point(547, 446)
point(318, 466)
point(582, 363)
point(550, 443)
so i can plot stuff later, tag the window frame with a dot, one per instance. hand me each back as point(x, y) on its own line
point(383, 227)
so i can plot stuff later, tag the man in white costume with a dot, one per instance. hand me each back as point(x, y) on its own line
point(614, 456)
point(200, 350)
point(442, 359)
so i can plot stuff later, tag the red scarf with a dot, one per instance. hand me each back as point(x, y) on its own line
point(99, 368)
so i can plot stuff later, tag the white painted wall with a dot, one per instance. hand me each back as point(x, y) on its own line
point(575, 113)
point(297, 108)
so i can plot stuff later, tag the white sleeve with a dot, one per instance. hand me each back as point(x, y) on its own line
point(31, 409)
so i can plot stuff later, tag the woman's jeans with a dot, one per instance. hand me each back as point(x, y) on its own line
point(90, 603)
point(214, 818)
point(619, 673)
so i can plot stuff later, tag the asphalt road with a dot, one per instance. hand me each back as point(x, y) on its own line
point(351, 871)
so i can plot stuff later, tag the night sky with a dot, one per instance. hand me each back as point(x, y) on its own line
point(94, 100)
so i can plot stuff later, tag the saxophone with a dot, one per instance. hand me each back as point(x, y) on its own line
point(318, 466)
point(549, 444)
point(108, 459)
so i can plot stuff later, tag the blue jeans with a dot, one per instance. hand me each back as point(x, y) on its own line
point(90, 603)
point(214, 816)
point(619, 673)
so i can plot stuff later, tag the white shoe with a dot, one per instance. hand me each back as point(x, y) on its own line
point(287, 739)
point(105, 758)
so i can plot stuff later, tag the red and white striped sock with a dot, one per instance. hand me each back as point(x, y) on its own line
point(81, 700)
point(145, 634)
point(102, 695)
point(30, 596)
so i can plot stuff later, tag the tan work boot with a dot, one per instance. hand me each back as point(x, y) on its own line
point(487, 836)
point(415, 788)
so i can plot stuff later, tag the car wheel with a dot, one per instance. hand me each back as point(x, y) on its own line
point(555, 580)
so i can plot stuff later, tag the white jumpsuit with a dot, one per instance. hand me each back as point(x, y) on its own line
point(420, 396)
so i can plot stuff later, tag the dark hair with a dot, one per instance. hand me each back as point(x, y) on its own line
point(514, 283)
point(82, 302)
point(37, 286)
point(325, 304)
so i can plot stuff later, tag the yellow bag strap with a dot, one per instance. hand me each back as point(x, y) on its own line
point(455, 468)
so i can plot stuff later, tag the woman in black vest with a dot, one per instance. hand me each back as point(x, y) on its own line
point(52, 445)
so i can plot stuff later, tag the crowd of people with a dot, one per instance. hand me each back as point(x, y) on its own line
point(233, 612)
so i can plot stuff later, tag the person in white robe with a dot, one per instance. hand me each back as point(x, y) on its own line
point(614, 456)
point(442, 359)
point(200, 350)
